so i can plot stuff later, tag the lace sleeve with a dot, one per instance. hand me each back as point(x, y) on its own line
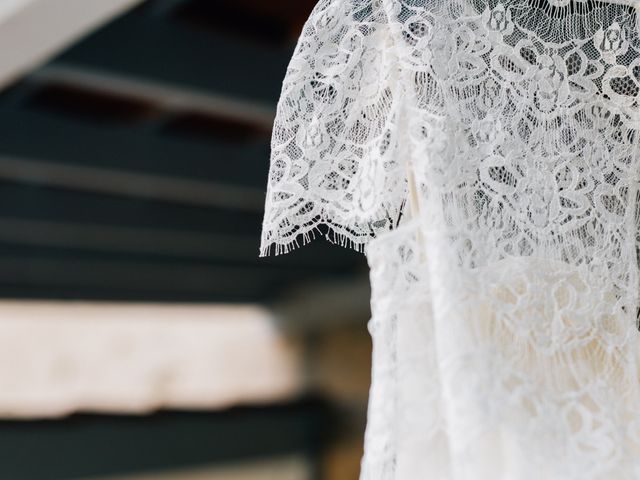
point(334, 163)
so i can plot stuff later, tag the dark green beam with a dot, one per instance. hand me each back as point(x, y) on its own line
point(46, 217)
point(41, 136)
point(92, 445)
point(169, 52)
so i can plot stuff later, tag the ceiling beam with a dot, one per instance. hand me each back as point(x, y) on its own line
point(173, 99)
point(131, 184)
point(134, 164)
point(171, 54)
point(90, 445)
point(142, 241)
point(69, 142)
point(53, 274)
point(8, 8)
point(43, 28)
point(35, 203)
point(52, 218)
point(104, 356)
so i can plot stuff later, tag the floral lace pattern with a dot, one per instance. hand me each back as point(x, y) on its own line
point(531, 375)
point(335, 138)
point(504, 308)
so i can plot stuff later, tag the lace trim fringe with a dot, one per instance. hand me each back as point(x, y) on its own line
point(280, 247)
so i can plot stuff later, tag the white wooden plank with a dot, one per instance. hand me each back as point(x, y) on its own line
point(32, 31)
point(60, 357)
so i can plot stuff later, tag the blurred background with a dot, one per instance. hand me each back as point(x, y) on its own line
point(141, 336)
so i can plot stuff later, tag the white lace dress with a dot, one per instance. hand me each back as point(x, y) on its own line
point(484, 155)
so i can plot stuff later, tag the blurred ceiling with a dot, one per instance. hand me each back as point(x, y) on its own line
point(133, 165)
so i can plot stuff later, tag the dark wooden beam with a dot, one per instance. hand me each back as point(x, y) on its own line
point(85, 446)
point(94, 179)
point(142, 241)
point(141, 277)
point(39, 203)
point(79, 144)
point(63, 80)
point(47, 217)
point(174, 54)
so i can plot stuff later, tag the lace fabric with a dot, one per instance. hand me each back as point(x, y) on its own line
point(335, 138)
point(528, 372)
point(483, 154)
